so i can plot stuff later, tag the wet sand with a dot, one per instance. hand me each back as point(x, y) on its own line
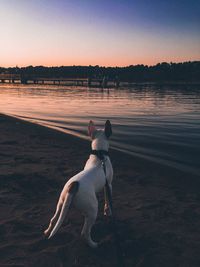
point(157, 208)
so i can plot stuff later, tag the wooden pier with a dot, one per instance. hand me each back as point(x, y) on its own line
point(94, 82)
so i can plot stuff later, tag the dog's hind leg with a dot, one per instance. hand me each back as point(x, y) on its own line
point(54, 219)
point(90, 218)
point(63, 205)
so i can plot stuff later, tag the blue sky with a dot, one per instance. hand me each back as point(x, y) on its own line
point(110, 33)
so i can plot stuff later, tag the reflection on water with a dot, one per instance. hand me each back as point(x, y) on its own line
point(160, 124)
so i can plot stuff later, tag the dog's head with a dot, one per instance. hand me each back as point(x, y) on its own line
point(100, 137)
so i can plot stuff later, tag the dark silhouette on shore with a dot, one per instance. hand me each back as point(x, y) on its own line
point(162, 72)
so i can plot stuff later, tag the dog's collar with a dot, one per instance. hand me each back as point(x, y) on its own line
point(99, 153)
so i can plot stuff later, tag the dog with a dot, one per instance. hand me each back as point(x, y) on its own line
point(82, 188)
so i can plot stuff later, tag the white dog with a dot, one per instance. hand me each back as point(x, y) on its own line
point(81, 189)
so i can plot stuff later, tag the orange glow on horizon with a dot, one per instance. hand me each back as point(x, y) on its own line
point(54, 62)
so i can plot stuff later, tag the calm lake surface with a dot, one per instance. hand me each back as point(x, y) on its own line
point(156, 123)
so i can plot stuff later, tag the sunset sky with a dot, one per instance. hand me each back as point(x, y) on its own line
point(106, 33)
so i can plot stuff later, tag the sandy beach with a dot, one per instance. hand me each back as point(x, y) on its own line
point(157, 208)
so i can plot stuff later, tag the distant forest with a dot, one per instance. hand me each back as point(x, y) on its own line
point(186, 71)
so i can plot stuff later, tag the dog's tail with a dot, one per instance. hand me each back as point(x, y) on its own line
point(72, 190)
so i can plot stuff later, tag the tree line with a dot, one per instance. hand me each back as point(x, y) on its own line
point(185, 71)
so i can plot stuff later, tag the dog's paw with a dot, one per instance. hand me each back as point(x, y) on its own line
point(46, 233)
point(107, 211)
point(93, 244)
point(89, 241)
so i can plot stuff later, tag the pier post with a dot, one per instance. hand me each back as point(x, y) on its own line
point(24, 81)
point(117, 82)
point(104, 82)
point(89, 82)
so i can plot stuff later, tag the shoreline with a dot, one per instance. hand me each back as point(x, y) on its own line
point(146, 160)
point(157, 208)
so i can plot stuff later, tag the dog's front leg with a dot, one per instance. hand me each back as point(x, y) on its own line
point(107, 208)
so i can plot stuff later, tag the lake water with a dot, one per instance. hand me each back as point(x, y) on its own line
point(157, 123)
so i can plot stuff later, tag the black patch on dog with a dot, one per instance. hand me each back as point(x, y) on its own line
point(73, 187)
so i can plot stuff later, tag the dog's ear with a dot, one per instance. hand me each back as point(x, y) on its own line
point(108, 129)
point(91, 129)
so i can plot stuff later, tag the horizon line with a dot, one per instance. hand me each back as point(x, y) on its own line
point(101, 66)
